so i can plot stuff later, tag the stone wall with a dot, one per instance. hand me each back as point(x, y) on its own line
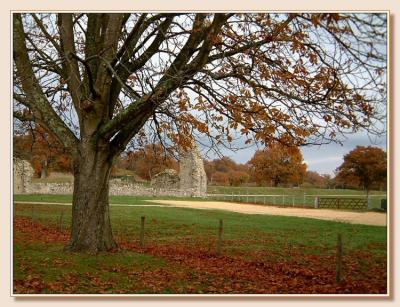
point(191, 181)
point(167, 179)
point(50, 188)
point(23, 173)
point(192, 174)
point(117, 187)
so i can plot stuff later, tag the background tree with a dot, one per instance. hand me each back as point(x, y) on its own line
point(238, 178)
point(209, 168)
point(328, 181)
point(43, 151)
point(99, 81)
point(364, 166)
point(220, 178)
point(225, 171)
point(314, 179)
point(278, 164)
point(148, 161)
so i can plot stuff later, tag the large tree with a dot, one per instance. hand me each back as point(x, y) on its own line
point(278, 164)
point(96, 81)
point(363, 166)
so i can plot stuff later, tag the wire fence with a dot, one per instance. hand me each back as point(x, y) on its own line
point(287, 200)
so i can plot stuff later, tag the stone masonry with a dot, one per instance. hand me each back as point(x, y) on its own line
point(23, 173)
point(191, 181)
point(167, 179)
point(192, 174)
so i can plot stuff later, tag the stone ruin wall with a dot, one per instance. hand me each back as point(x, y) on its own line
point(23, 173)
point(191, 181)
point(117, 187)
point(167, 179)
point(192, 174)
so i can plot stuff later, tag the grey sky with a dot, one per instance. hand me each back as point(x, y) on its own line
point(325, 158)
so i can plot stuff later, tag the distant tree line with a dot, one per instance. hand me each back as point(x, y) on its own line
point(276, 165)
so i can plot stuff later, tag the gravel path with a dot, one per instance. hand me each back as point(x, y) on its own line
point(366, 218)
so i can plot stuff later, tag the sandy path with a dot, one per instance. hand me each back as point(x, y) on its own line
point(366, 218)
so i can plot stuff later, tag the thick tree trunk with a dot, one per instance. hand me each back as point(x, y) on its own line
point(91, 228)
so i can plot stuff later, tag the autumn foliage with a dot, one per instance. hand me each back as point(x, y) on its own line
point(278, 164)
point(193, 267)
point(314, 179)
point(149, 161)
point(364, 167)
point(43, 151)
point(225, 171)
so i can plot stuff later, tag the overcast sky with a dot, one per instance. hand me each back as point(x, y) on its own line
point(325, 158)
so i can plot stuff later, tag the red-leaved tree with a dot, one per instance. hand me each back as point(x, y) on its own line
point(365, 167)
point(278, 164)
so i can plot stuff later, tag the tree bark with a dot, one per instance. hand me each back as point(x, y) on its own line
point(91, 227)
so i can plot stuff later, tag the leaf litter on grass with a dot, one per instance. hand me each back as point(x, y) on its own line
point(197, 268)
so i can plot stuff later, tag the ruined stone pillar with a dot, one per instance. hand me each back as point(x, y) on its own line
point(193, 178)
point(23, 173)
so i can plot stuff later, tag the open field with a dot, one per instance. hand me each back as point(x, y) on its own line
point(260, 253)
point(286, 196)
point(275, 196)
point(287, 191)
point(128, 200)
point(365, 218)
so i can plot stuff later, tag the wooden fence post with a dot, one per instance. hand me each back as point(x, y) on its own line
point(142, 219)
point(293, 201)
point(339, 258)
point(219, 242)
point(304, 200)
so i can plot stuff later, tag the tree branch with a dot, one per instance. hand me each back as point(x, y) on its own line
point(124, 70)
point(251, 45)
point(36, 100)
point(85, 63)
point(46, 33)
point(71, 65)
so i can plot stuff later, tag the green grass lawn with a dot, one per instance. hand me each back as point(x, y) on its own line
point(121, 199)
point(180, 253)
point(287, 196)
point(287, 191)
